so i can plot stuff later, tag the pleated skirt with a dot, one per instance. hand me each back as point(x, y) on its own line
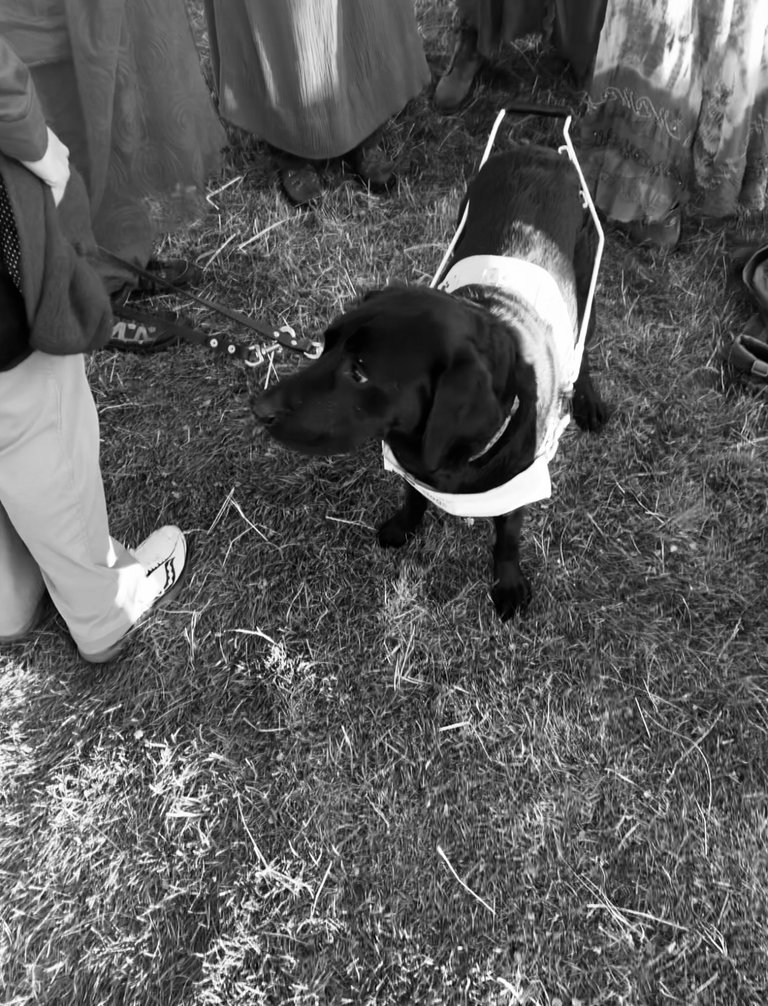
point(314, 77)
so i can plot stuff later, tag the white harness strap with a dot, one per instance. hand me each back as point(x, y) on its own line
point(530, 486)
point(530, 283)
point(538, 288)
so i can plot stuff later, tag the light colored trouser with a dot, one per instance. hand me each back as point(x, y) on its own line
point(53, 515)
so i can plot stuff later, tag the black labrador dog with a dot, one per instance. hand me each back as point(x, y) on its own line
point(462, 387)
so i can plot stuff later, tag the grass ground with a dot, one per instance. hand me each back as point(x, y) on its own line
point(329, 774)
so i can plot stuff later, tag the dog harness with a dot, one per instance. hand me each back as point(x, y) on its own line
point(536, 287)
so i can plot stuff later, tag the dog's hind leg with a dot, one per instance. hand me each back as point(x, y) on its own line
point(511, 588)
point(395, 531)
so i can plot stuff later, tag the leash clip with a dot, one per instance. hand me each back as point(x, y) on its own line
point(255, 355)
point(286, 337)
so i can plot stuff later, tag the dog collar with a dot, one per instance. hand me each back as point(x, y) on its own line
point(499, 433)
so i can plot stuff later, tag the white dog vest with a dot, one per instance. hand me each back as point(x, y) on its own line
point(539, 290)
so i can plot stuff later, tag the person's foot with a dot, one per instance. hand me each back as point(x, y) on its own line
point(178, 271)
point(164, 558)
point(371, 165)
point(300, 181)
point(663, 233)
point(456, 83)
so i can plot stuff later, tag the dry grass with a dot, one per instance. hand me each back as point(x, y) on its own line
point(330, 774)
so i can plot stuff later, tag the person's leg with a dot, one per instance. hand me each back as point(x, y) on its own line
point(481, 27)
point(51, 489)
point(21, 584)
point(455, 84)
point(576, 32)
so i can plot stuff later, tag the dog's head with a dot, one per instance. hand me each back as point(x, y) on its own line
point(404, 363)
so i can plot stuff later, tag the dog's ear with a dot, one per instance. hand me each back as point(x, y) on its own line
point(331, 336)
point(340, 327)
point(464, 409)
point(381, 292)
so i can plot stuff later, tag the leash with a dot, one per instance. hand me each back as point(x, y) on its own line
point(252, 355)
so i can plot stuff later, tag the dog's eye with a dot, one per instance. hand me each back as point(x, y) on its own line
point(358, 372)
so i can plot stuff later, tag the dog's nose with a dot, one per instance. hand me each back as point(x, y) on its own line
point(264, 410)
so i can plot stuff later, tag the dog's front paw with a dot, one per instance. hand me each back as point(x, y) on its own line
point(394, 533)
point(511, 595)
point(590, 412)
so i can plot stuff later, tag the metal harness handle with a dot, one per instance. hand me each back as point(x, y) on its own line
point(587, 202)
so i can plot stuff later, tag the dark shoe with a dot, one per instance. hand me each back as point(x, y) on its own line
point(456, 83)
point(300, 181)
point(372, 166)
point(755, 276)
point(663, 233)
point(178, 271)
point(747, 353)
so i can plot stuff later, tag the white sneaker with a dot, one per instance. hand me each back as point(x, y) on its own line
point(164, 558)
point(163, 555)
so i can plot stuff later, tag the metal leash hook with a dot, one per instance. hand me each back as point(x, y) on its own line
point(256, 355)
point(286, 337)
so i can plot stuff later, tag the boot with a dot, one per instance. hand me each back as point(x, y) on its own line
point(299, 179)
point(663, 233)
point(456, 83)
point(371, 164)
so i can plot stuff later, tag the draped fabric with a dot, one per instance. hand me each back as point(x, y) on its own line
point(120, 83)
point(678, 108)
point(498, 21)
point(574, 25)
point(314, 77)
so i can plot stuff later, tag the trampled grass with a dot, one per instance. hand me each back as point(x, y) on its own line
point(329, 774)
